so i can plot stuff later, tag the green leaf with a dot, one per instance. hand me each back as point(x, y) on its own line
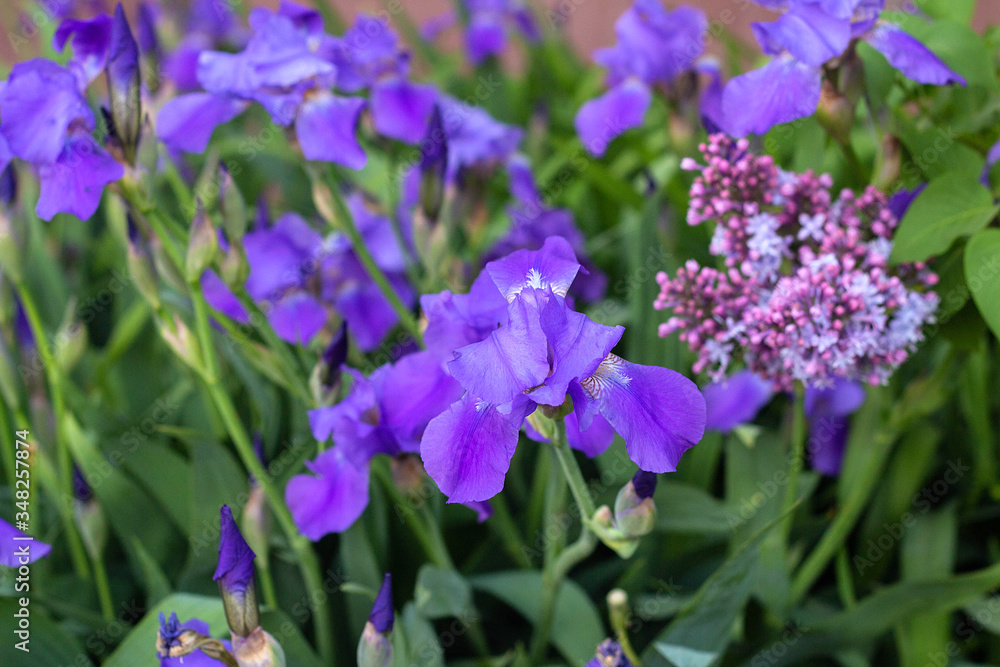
point(951, 207)
point(415, 641)
point(982, 274)
point(880, 612)
point(139, 647)
point(441, 593)
point(959, 11)
point(49, 644)
point(686, 657)
point(156, 583)
point(577, 627)
point(705, 624)
point(687, 509)
point(927, 553)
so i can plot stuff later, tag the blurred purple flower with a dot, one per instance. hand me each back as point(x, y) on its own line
point(46, 121)
point(805, 37)
point(828, 409)
point(488, 26)
point(655, 46)
point(383, 414)
point(609, 654)
point(735, 400)
point(17, 548)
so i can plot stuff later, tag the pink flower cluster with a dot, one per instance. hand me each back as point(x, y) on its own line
point(807, 292)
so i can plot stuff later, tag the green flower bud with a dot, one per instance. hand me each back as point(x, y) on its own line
point(259, 649)
point(202, 247)
point(635, 511)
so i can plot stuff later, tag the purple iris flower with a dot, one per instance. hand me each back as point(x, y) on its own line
point(490, 23)
point(369, 55)
point(383, 414)
point(283, 69)
point(544, 352)
point(802, 39)
point(13, 544)
point(46, 121)
point(828, 410)
point(474, 138)
point(170, 638)
point(297, 275)
point(533, 222)
point(609, 654)
point(210, 24)
point(735, 400)
point(655, 46)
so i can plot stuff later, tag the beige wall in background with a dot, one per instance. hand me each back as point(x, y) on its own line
point(589, 23)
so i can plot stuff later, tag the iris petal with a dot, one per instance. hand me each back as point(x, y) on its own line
point(554, 266)
point(467, 449)
point(331, 499)
point(604, 118)
point(659, 413)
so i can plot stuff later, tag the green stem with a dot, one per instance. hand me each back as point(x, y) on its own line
point(796, 456)
point(502, 524)
point(65, 458)
point(308, 564)
point(103, 589)
point(345, 222)
point(9, 447)
point(425, 529)
point(843, 522)
point(556, 569)
point(267, 586)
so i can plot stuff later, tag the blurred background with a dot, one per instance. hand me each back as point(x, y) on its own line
point(589, 24)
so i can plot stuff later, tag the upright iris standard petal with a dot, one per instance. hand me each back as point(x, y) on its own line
point(553, 267)
point(807, 32)
point(467, 449)
point(619, 109)
point(186, 122)
point(326, 126)
point(578, 345)
point(659, 413)
point(401, 109)
point(18, 549)
point(735, 400)
point(329, 500)
point(783, 90)
point(37, 105)
point(907, 54)
point(74, 183)
point(510, 361)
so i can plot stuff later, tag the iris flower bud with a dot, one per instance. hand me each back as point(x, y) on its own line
point(433, 164)
point(375, 649)
point(260, 649)
point(231, 205)
point(202, 246)
point(635, 511)
point(235, 574)
point(122, 71)
point(325, 379)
